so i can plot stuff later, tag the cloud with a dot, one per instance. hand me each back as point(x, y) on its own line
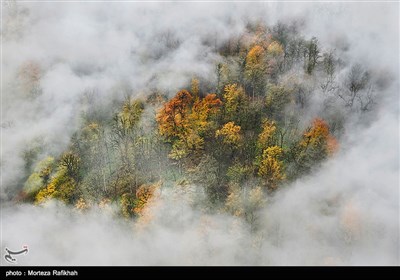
point(346, 213)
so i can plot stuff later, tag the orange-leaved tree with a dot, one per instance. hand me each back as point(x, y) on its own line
point(185, 121)
point(318, 136)
point(316, 144)
point(172, 118)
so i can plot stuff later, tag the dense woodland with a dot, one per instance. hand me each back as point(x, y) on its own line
point(274, 112)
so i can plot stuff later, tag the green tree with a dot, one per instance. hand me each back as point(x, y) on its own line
point(278, 97)
point(311, 55)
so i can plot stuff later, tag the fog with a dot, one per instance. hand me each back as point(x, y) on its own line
point(346, 213)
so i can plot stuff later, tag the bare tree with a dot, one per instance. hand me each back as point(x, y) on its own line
point(357, 91)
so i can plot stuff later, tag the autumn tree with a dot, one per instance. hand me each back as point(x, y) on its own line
point(203, 111)
point(172, 118)
point(230, 135)
point(200, 124)
point(82, 205)
point(134, 204)
point(127, 204)
point(40, 177)
point(235, 102)
point(185, 122)
point(62, 185)
point(267, 135)
point(271, 168)
point(316, 145)
point(255, 69)
point(318, 135)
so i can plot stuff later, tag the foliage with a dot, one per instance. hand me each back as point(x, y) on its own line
point(230, 134)
point(271, 167)
point(255, 68)
point(172, 119)
point(266, 137)
point(277, 99)
point(239, 136)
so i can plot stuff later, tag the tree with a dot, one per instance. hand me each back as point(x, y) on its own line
point(245, 203)
point(40, 176)
point(277, 99)
point(230, 134)
point(172, 118)
point(281, 33)
point(271, 167)
point(275, 56)
point(316, 145)
point(311, 55)
point(235, 101)
point(127, 204)
point(255, 69)
point(72, 163)
point(200, 118)
point(239, 173)
point(144, 195)
point(329, 63)
point(195, 88)
point(207, 175)
point(221, 71)
point(61, 187)
point(266, 137)
point(125, 132)
point(357, 89)
point(82, 204)
point(130, 115)
point(318, 136)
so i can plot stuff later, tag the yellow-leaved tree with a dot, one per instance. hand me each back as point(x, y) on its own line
point(230, 135)
point(266, 137)
point(234, 101)
point(271, 167)
point(255, 68)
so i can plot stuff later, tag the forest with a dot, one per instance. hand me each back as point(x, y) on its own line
point(240, 139)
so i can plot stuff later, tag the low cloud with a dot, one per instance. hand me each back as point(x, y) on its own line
point(346, 213)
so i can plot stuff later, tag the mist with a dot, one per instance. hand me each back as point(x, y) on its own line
point(344, 213)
